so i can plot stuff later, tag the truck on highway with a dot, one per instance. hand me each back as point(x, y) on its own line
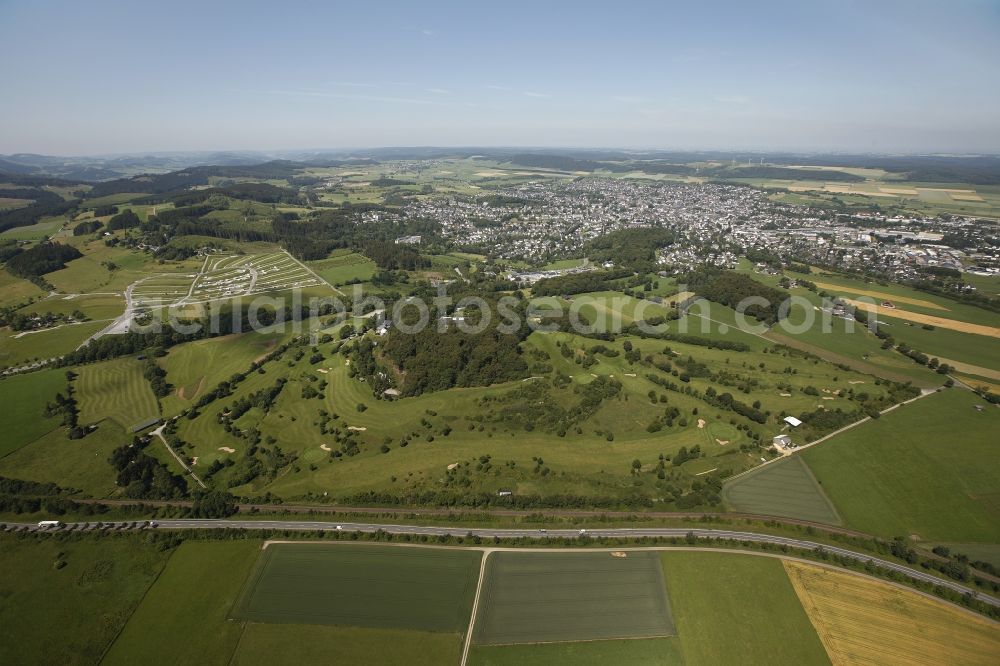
point(49, 524)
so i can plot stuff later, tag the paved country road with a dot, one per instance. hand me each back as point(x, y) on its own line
point(489, 533)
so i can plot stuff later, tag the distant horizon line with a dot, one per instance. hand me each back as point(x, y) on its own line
point(347, 150)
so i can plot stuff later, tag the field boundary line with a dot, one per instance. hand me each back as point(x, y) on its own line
point(475, 606)
point(828, 436)
point(107, 648)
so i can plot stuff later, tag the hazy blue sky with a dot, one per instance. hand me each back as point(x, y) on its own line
point(102, 77)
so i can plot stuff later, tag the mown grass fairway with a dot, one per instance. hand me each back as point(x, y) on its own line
point(24, 398)
point(197, 367)
point(182, 619)
point(550, 597)
point(427, 589)
point(115, 390)
point(663, 651)
point(69, 615)
point(269, 644)
point(928, 469)
point(861, 620)
point(738, 609)
point(786, 488)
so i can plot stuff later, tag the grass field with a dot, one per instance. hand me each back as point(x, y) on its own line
point(182, 619)
point(17, 349)
point(94, 306)
point(80, 464)
point(421, 589)
point(24, 398)
point(71, 614)
point(344, 267)
point(786, 488)
point(552, 597)
point(115, 390)
point(928, 469)
point(738, 609)
point(270, 644)
point(199, 366)
point(15, 290)
point(861, 620)
point(648, 651)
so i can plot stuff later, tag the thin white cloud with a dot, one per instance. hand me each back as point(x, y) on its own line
point(369, 98)
point(628, 99)
point(437, 91)
point(492, 87)
point(529, 93)
point(732, 99)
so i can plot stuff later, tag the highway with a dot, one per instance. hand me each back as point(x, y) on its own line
point(489, 533)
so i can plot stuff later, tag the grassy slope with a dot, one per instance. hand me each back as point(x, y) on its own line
point(15, 290)
point(182, 619)
point(738, 609)
point(80, 464)
point(577, 461)
point(864, 621)
point(46, 344)
point(69, 615)
point(928, 469)
point(24, 397)
point(199, 366)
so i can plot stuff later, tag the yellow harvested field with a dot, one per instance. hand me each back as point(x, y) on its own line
point(679, 297)
point(899, 190)
point(864, 621)
point(966, 197)
point(881, 294)
point(940, 322)
point(969, 369)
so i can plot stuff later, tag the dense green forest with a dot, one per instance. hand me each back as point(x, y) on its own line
point(630, 249)
point(42, 259)
point(434, 361)
point(44, 204)
point(730, 288)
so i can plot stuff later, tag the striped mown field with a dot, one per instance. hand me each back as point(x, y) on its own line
point(550, 597)
point(785, 488)
point(115, 390)
point(426, 589)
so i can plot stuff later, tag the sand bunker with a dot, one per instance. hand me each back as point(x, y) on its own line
point(701, 423)
point(226, 449)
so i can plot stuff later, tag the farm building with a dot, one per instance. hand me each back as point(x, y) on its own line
point(792, 421)
point(782, 441)
point(142, 425)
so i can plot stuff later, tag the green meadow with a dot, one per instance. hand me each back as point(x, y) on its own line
point(24, 398)
point(927, 469)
